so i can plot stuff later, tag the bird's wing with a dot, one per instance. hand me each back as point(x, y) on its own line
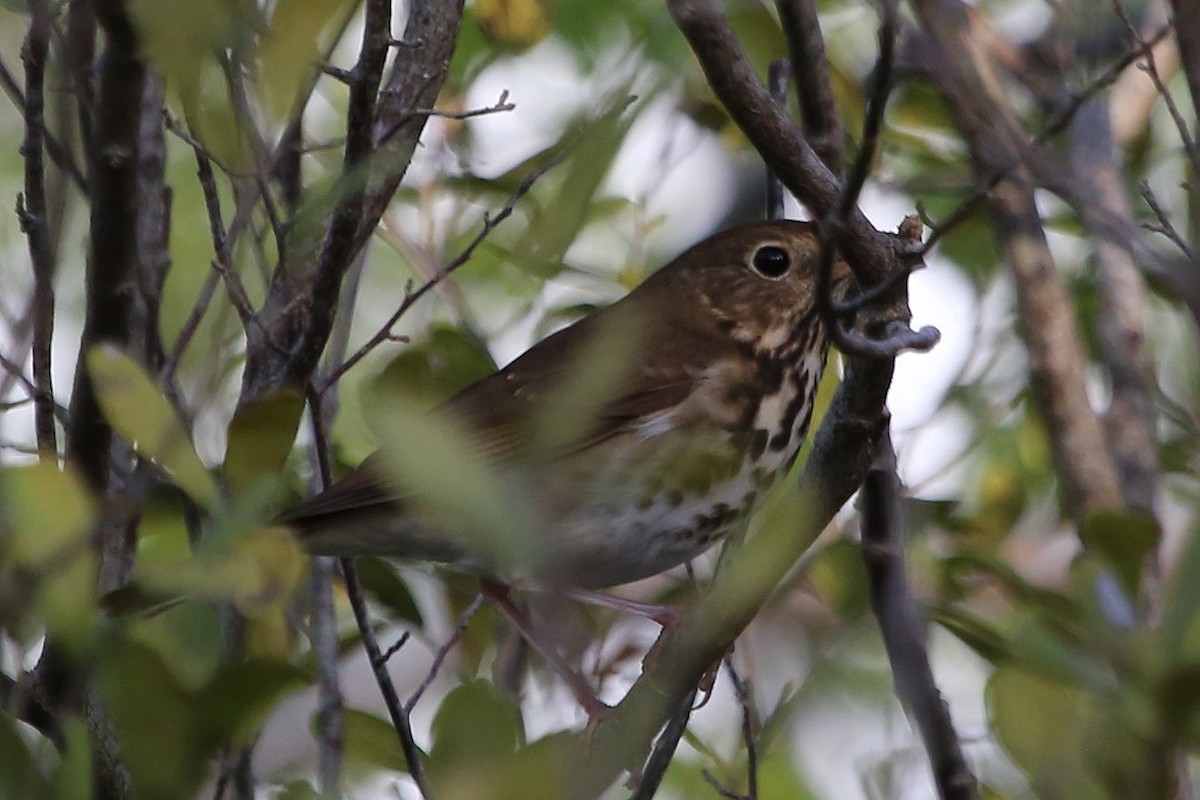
point(500, 410)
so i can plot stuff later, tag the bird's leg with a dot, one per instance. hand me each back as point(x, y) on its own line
point(497, 593)
point(666, 616)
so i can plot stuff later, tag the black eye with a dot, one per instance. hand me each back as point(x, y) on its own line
point(771, 260)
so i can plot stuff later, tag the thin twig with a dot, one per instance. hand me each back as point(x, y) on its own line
point(501, 105)
point(34, 217)
point(59, 154)
point(750, 726)
point(1164, 225)
point(460, 627)
point(1055, 125)
point(777, 81)
point(396, 710)
point(490, 221)
point(819, 116)
point(664, 750)
point(1150, 67)
point(324, 636)
point(223, 261)
point(893, 604)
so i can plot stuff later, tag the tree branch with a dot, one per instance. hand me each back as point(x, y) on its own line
point(962, 74)
point(34, 217)
point(903, 637)
point(819, 118)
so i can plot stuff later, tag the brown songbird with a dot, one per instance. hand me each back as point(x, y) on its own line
point(721, 353)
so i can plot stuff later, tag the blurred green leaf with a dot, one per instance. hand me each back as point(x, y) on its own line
point(474, 724)
point(1044, 725)
point(137, 410)
point(260, 438)
point(156, 722)
point(184, 637)
point(429, 371)
point(1124, 539)
point(19, 776)
point(367, 739)
point(296, 39)
point(384, 584)
point(73, 778)
point(47, 513)
point(236, 703)
point(594, 144)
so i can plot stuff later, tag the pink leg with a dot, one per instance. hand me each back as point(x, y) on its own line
point(497, 593)
point(664, 615)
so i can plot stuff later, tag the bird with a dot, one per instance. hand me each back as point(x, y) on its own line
point(719, 356)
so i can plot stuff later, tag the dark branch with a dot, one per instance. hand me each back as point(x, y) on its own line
point(819, 116)
point(902, 629)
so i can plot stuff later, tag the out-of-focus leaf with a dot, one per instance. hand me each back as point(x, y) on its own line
point(430, 371)
point(236, 703)
point(975, 632)
point(370, 740)
point(19, 776)
point(514, 24)
point(184, 637)
point(66, 599)
point(260, 438)
point(73, 778)
point(46, 513)
point(380, 580)
point(155, 720)
point(475, 727)
point(1044, 726)
point(296, 38)
point(259, 570)
point(437, 466)
point(1123, 538)
point(593, 149)
point(1181, 607)
point(136, 409)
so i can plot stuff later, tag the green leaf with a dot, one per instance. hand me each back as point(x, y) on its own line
point(73, 779)
point(19, 776)
point(1124, 539)
point(370, 740)
point(429, 371)
point(474, 723)
point(260, 438)
point(1044, 725)
point(48, 513)
point(236, 703)
point(155, 721)
point(297, 37)
point(137, 410)
point(385, 585)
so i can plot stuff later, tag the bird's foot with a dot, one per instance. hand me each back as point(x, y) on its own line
point(497, 594)
point(666, 616)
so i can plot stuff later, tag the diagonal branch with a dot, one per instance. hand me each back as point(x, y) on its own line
point(819, 116)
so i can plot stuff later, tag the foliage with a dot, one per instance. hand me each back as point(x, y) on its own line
point(169, 601)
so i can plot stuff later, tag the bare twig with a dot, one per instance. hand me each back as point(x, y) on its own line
point(396, 710)
point(664, 750)
point(892, 602)
point(223, 259)
point(819, 116)
point(1164, 225)
point(490, 222)
point(460, 627)
point(54, 148)
point(1056, 124)
point(33, 214)
point(777, 80)
point(965, 77)
point(750, 725)
point(500, 106)
point(1150, 66)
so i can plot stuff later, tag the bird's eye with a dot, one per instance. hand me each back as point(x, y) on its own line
point(771, 260)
